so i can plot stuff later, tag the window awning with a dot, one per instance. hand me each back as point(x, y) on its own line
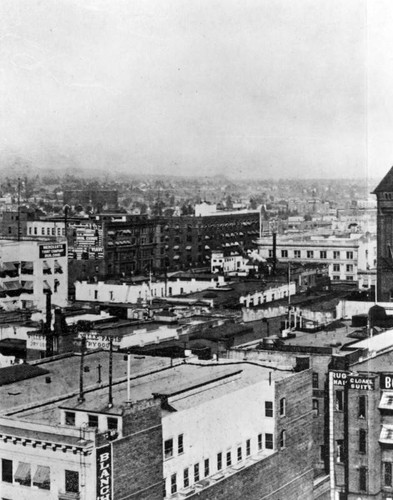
point(176, 247)
point(188, 247)
point(23, 473)
point(27, 265)
point(207, 237)
point(28, 285)
point(12, 285)
point(386, 435)
point(42, 476)
point(9, 266)
point(386, 402)
point(45, 264)
point(176, 257)
point(57, 266)
point(46, 285)
point(207, 247)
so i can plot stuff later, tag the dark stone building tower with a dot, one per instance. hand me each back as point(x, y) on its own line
point(384, 193)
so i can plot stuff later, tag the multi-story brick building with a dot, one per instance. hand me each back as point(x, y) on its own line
point(191, 430)
point(361, 420)
point(384, 193)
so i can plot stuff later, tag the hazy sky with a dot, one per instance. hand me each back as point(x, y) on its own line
point(275, 88)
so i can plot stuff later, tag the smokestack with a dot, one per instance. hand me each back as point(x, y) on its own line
point(81, 397)
point(274, 251)
point(47, 326)
point(110, 400)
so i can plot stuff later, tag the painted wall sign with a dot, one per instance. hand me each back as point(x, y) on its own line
point(361, 382)
point(104, 473)
point(340, 378)
point(95, 341)
point(52, 250)
point(36, 341)
point(387, 381)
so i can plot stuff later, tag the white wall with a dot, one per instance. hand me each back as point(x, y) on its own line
point(207, 430)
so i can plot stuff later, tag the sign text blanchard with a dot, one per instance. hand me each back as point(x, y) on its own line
point(104, 473)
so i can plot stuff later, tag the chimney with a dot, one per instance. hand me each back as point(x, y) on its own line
point(274, 251)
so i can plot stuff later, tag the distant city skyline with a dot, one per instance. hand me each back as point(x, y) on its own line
point(259, 88)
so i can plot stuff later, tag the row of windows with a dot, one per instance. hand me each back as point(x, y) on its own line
point(339, 403)
point(41, 477)
point(49, 231)
point(92, 420)
point(311, 254)
point(199, 471)
point(169, 449)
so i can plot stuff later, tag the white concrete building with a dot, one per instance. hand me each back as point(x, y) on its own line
point(345, 256)
point(45, 228)
point(133, 293)
point(28, 268)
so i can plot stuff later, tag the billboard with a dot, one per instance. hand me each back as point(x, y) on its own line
point(52, 250)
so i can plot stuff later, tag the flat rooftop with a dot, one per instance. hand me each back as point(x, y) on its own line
point(188, 384)
point(36, 391)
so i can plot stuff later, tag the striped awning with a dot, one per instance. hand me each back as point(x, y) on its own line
point(23, 473)
point(42, 477)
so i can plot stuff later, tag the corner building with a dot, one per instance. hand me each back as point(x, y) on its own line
point(193, 430)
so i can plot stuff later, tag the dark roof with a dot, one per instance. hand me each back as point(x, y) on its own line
point(15, 373)
point(386, 183)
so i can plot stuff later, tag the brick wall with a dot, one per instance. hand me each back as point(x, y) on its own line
point(137, 457)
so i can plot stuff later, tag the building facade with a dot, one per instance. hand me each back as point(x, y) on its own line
point(345, 257)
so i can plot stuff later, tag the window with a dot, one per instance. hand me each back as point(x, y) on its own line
point(269, 441)
point(349, 278)
point(173, 483)
point(186, 478)
point(180, 444)
point(283, 436)
point(168, 448)
point(35, 230)
point(259, 441)
point(315, 406)
point(92, 420)
point(95, 294)
point(270, 253)
point(23, 474)
point(239, 453)
point(315, 380)
point(336, 254)
point(43, 231)
point(284, 253)
point(387, 474)
point(282, 407)
point(219, 461)
point(248, 447)
point(229, 458)
point(268, 408)
point(349, 268)
point(310, 254)
point(362, 478)
point(6, 470)
point(362, 406)
point(362, 440)
point(336, 268)
point(322, 453)
point(340, 450)
point(297, 254)
point(207, 467)
point(69, 418)
point(112, 423)
point(339, 400)
point(323, 254)
point(196, 473)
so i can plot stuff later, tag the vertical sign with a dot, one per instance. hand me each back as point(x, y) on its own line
point(104, 472)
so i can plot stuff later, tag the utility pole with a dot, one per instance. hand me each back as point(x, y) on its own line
point(19, 209)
